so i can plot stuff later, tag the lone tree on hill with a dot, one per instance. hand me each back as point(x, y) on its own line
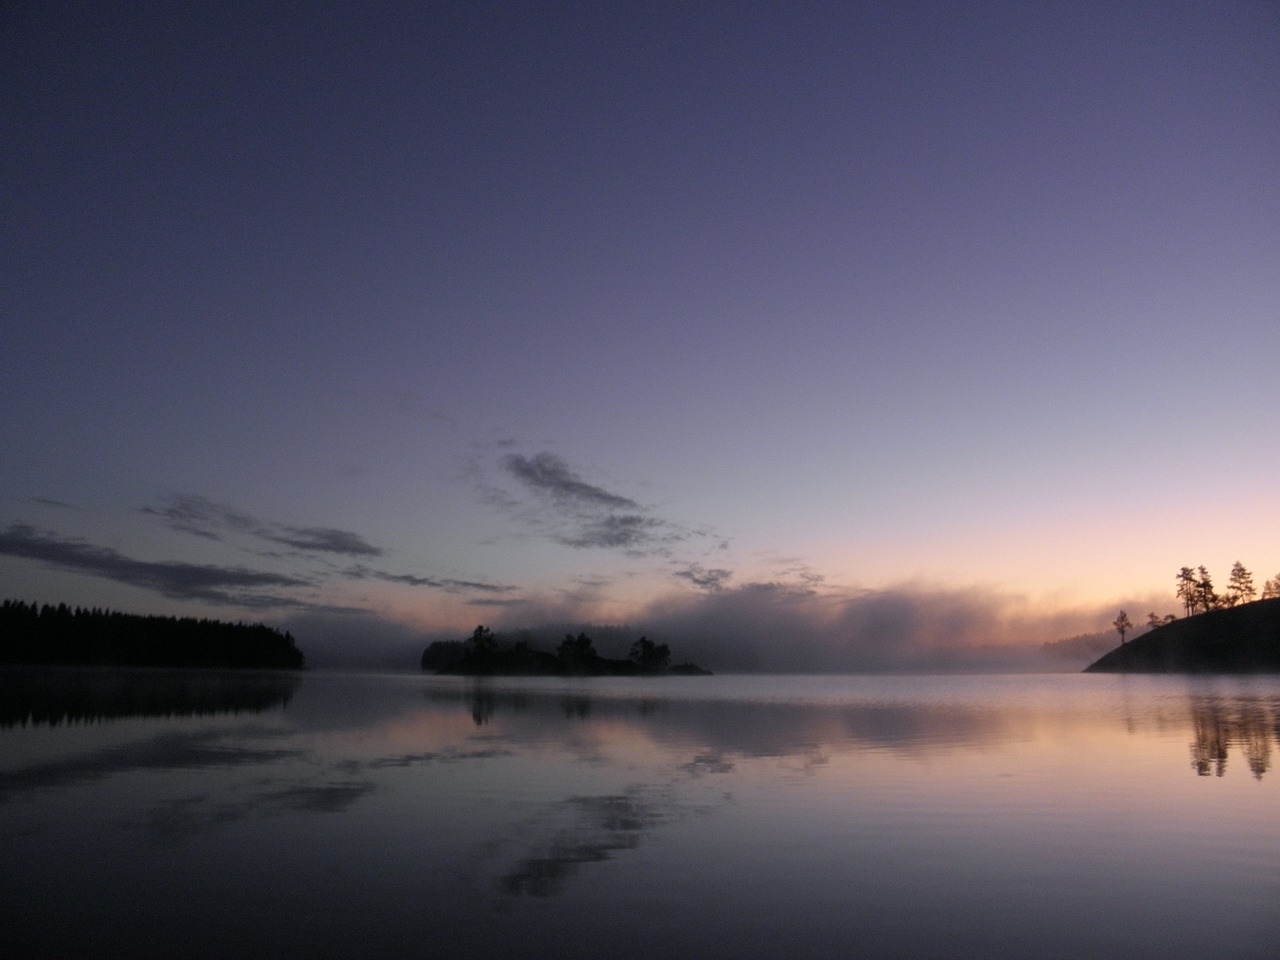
point(1123, 625)
point(1271, 589)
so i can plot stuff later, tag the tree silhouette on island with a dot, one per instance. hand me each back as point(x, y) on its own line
point(1221, 633)
point(482, 654)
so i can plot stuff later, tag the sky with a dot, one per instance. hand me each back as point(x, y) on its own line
point(805, 335)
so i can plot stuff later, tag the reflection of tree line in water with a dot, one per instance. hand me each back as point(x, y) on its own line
point(483, 703)
point(1219, 724)
point(52, 696)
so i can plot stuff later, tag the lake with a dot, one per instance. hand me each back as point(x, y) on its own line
point(187, 815)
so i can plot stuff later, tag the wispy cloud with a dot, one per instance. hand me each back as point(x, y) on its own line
point(614, 530)
point(198, 516)
point(310, 558)
point(566, 508)
point(322, 540)
point(704, 578)
point(49, 502)
point(548, 474)
point(183, 581)
point(446, 584)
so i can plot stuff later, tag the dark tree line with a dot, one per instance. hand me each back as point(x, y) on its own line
point(32, 634)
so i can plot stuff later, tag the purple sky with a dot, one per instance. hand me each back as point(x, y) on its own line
point(899, 327)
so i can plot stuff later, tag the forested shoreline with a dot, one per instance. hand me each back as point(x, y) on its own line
point(33, 634)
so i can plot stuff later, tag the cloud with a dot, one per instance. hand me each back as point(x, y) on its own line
point(198, 516)
point(614, 530)
point(575, 513)
point(182, 581)
point(322, 540)
point(48, 502)
point(706, 579)
point(546, 473)
point(201, 517)
point(440, 583)
point(228, 585)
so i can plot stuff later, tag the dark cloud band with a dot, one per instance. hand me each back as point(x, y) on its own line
point(582, 515)
point(201, 517)
point(548, 474)
point(183, 581)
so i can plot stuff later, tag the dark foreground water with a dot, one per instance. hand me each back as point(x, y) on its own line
point(332, 815)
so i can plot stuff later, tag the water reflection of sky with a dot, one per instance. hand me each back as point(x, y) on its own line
point(1024, 801)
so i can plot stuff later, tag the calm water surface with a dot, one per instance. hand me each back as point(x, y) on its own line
point(361, 815)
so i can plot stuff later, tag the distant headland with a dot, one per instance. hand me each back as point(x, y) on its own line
point(1233, 633)
point(31, 634)
point(483, 654)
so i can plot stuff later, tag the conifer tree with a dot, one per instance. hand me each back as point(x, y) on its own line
point(1240, 589)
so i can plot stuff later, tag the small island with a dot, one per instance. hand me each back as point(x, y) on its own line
point(48, 635)
point(1227, 633)
point(483, 654)
point(1243, 639)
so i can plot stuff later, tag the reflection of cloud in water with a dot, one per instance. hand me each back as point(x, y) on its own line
point(748, 728)
point(279, 785)
point(583, 830)
point(437, 756)
point(705, 763)
point(200, 749)
point(186, 817)
point(179, 820)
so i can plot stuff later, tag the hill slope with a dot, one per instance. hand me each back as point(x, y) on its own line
point(1244, 639)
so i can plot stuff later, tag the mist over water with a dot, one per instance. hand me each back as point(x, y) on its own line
point(755, 816)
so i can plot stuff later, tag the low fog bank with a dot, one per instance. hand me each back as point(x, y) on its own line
point(772, 628)
point(775, 628)
point(357, 640)
point(787, 629)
